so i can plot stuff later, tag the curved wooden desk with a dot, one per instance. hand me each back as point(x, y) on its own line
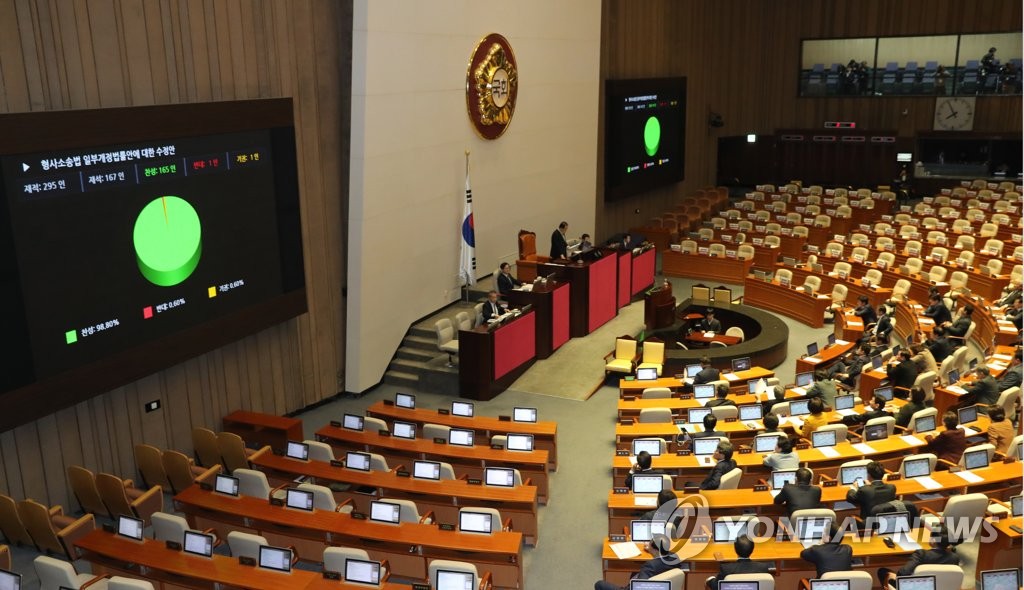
point(787, 301)
point(707, 268)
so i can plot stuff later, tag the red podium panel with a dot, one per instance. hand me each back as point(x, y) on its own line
point(602, 292)
point(643, 271)
point(625, 266)
point(560, 316)
point(490, 360)
point(514, 345)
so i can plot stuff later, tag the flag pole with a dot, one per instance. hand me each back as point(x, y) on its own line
point(465, 282)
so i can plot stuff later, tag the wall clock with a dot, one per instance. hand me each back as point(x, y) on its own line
point(492, 86)
point(954, 113)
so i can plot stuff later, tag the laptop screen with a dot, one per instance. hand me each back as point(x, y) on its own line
point(299, 499)
point(752, 386)
point(845, 402)
point(812, 528)
point(830, 585)
point(916, 583)
point(449, 580)
point(474, 522)
point(696, 415)
point(849, 475)
point(129, 527)
point(462, 409)
point(799, 407)
point(524, 414)
point(704, 391)
point(275, 558)
point(890, 523)
point(644, 530)
point(781, 478)
point(876, 362)
point(804, 379)
point(741, 364)
point(812, 349)
point(1008, 579)
point(198, 543)
point(884, 392)
point(917, 468)
point(426, 470)
point(651, 445)
point(876, 432)
point(9, 580)
point(357, 461)
point(968, 414)
point(519, 442)
point(361, 571)
point(924, 424)
point(823, 438)
point(405, 400)
point(297, 450)
point(726, 531)
point(953, 376)
point(646, 374)
point(226, 484)
point(403, 429)
point(647, 484)
point(766, 444)
point(500, 476)
point(352, 422)
point(385, 512)
point(973, 364)
point(750, 412)
point(976, 459)
point(692, 370)
point(1015, 505)
point(650, 585)
point(831, 339)
point(462, 438)
point(705, 446)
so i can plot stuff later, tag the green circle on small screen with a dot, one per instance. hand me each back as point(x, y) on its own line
point(168, 240)
point(652, 136)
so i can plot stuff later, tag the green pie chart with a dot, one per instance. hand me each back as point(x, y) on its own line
point(168, 240)
point(652, 136)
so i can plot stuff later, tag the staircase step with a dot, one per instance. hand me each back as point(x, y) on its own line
point(402, 378)
point(423, 331)
point(408, 365)
point(420, 342)
point(415, 354)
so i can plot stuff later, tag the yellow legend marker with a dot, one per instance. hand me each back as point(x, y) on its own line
point(212, 292)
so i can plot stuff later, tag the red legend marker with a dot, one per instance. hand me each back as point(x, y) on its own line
point(147, 312)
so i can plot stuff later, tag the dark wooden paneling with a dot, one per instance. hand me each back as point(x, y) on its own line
point(741, 60)
point(78, 54)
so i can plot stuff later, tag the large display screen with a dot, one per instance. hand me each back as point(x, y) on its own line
point(644, 134)
point(170, 233)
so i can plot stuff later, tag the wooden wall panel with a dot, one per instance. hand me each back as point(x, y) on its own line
point(78, 54)
point(741, 60)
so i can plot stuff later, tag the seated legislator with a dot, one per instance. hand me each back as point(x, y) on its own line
point(771, 422)
point(874, 409)
point(873, 493)
point(744, 547)
point(824, 387)
point(961, 323)
point(937, 310)
point(559, 247)
point(948, 445)
point(800, 495)
point(984, 390)
point(492, 309)
point(721, 397)
point(1012, 376)
point(831, 555)
point(723, 454)
point(707, 373)
point(916, 404)
point(643, 465)
point(850, 368)
point(902, 371)
point(507, 282)
point(816, 420)
point(1016, 312)
point(940, 553)
point(779, 397)
point(709, 323)
point(685, 439)
point(1000, 430)
point(939, 344)
point(924, 359)
point(660, 548)
point(784, 456)
point(865, 311)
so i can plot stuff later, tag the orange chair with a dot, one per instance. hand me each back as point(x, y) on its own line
point(52, 532)
point(526, 266)
point(10, 523)
point(123, 499)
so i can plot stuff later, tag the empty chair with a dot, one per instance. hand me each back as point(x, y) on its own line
point(961, 225)
point(169, 527)
point(688, 246)
point(745, 252)
point(822, 220)
point(122, 499)
point(994, 247)
point(989, 448)
point(122, 583)
point(884, 243)
point(932, 459)
point(181, 471)
point(232, 451)
point(885, 260)
point(838, 296)
point(432, 431)
point(764, 581)
point(705, 234)
point(51, 531)
point(964, 242)
point(934, 237)
point(724, 413)
point(436, 566)
point(655, 415)
point(319, 451)
point(873, 276)
point(773, 228)
point(907, 231)
point(913, 248)
point(843, 212)
point(735, 331)
point(149, 460)
point(946, 576)
point(335, 559)
point(966, 258)
point(800, 231)
point(731, 480)
point(323, 498)
point(653, 355)
point(988, 230)
point(1008, 398)
point(840, 429)
point(900, 290)
point(10, 523)
point(624, 358)
point(56, 573)
point(860, 254)
point(937, 274)
point(245, 544)
point(252, 483)
point(889, 421)
point(675, 577)
point(772, 241)
point(842, 269)
point(932, 412)
point(881, 228)
point(204, 441)
point(717, 250)
point(812, 284)
point(939, 254)
point(446, 339)
point(656, 393)
point(463, 320)
point(859, 580)
point(409, 512)
point(784, 275)
point(83, 485)
point(914, 264)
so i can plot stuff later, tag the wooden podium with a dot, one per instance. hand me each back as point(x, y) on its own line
point(659, 307)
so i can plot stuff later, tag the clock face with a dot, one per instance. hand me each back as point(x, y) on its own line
point(955, 113)
point(492, 85)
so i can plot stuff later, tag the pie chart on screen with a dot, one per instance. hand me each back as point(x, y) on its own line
point(168, 240)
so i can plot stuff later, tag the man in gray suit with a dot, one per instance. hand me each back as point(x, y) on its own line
point(824, 387)
point(1012, 376)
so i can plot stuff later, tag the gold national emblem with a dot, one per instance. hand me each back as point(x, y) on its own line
point(492, 84)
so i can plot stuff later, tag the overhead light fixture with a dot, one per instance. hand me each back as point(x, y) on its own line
point(751, 138)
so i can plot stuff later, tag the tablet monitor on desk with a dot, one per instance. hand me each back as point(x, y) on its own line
point(459, 437)
point(884, 392)
point(750, 412)
point(644, 530)
point(1008, 579)
point(464, 409)
point(352, 422)
point(766, 443)
point(917, 468)
point(647, 374)
point(812, 528)
point(361, 571)
point(426, 470)
point(130, 527)
point(876, 432)
point(728, 530)
point(924, 424)
point(198, 544)
point(275, 558)
point(812, 349)
point(451, 580)
point(405, 430)
point(850, 474)
point(226, 484)
point(704, 391)
point(752, 387)
point(967, 415)
point(876, 362)
point(845, 402)
point(1016, 508)
point(953, 377)
point(823, 438)
point(739, 585)
point(405, 400)
point(651, 445)
point(891, 523)
point(705, 446)
point(650, 585)
point(519, 442)
point(782, 477)
point(976, 459)
point(647, 484)
point(804, 379)
point(9, 580)
point(830, 585)
point(357, 461)
point(799, 407)
point(832, 339)
point(297, 450)
point(299, 499)
point(916, 583)
point(741, 364)
point(696, 415)
point(692, 370)
point(524, 414)
point(385, 512)
point(500, 476)
point(474, 522)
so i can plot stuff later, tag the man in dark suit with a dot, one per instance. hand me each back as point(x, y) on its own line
point(851, 368)
point(710, 324)
point(961, 324)
point(744, 548)
point(875, 409)
point(800, 495)
point(492, 309)
point(558, 244)
point(940, 553)
point(937, 310)
point(707, 373)
point(507, 282)
point(914, 405)
point(1012, 376)
point(875, 492)
point(864, 311)
point(903, 372)
point(1016, 312)
point(778, 397)
point(939, 344)
point(643, 466)
point(710, 424)
point(721, 397)
point(883, 326)
point(723, 454)
point(660, 549)
point(831, 555)
point(985, 390)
